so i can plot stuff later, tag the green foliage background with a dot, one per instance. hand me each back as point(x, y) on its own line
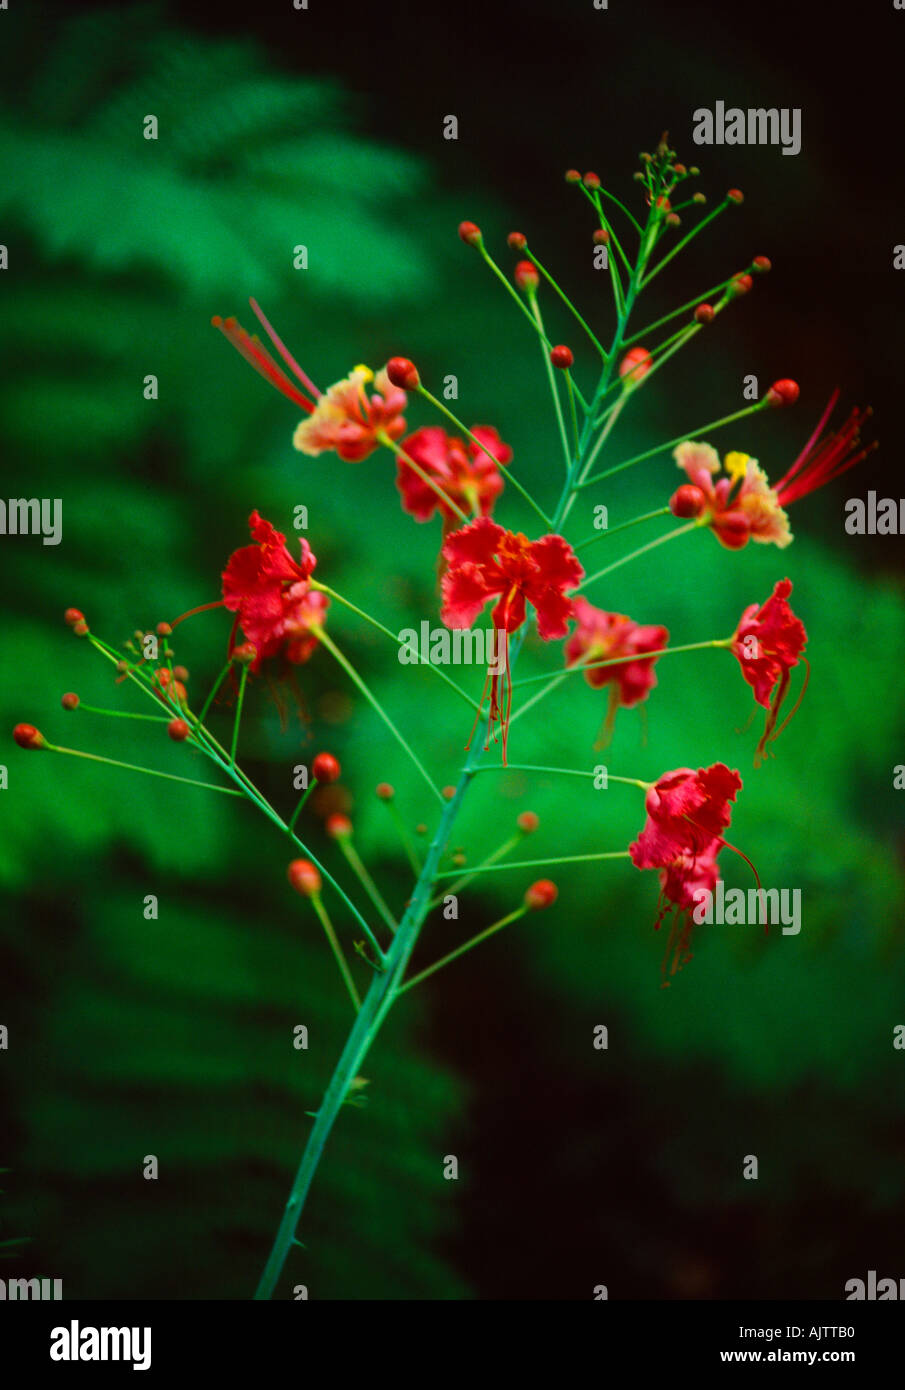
point(173, 1037)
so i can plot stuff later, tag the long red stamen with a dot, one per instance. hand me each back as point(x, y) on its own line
point(257, 356)
point(283, 350)
point(822, 461)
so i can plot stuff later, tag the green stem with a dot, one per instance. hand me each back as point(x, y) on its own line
point(633, 555)
point(563, 771)
point(124, 714)
point(242, 681)
point(551, 378)
point(620, 660)
point(671, 443)
point(212, 696)
point(375, 704)
point(337, 950)
point(438, 404)
point(301, 802)
point(355, 863)
point(460, 950)
point(464, 881)
point(568, 303)
point(149, 771)
point(422, 474)
point(611, 531)
point(721, 207)
point(545, 863)
point(422, 660)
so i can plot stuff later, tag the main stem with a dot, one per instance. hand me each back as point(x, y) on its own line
point(385, 987)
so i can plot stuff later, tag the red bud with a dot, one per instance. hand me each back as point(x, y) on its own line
point(600, 237)
point(70, 701)
point(783, 392)
point(517, 240)
point(338, 826)
point(304, 877)
point(73, 616)
point(245, 653)
point(762, 264)
point(562, 356)
point(543, 893)
point(527, 822)
point(27, 736)
point(636, 363)
point(403, 373)
point(178, 730)
point(385, 791)
point(164, 630)
point(526, 276)
point(80, 628)
point(326, 768)
point(704, 313)
point(591, 180)
point(735, 195)
point(687, 501)
point(573, 176)
point(470, 233)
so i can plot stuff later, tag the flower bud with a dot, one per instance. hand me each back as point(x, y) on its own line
point(304, 877)
point(704, 313)
point(459, 860)
point(326, 768)
point(687, 501)
point(164, 630)
point(385, 791)
point(517, 240)
point(527, 822)
point(526, 276)
point(699, 197)
point(562, 356)
point(448, 793)
point(600, 237)
point(181, 673)
point(470, 233)
point(122, 668)
point(178, 730)
point(591, 180)
point(673, 219)
point(338, 826)
point(73, 616)
point(783, 392)
point(635, 364)
point(403, 373)
point(245, 653)
point(761, 264)
point(543, 893)
point(80, 628)
point(421, 828)
point(27, 736)
point(573, 176)
point(739, 284)
point(70, 701)
point(735, 195)
point(680, 169)
point(694, 171)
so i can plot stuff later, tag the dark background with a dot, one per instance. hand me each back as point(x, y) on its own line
point(129, 1038)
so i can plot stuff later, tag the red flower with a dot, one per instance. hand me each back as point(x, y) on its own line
point(483, 562)
point(602, 636)
point(768, 642)
point(345, 418)
point(269, 592)
point(467, 474)
point(743, 505)
point(686, 812)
